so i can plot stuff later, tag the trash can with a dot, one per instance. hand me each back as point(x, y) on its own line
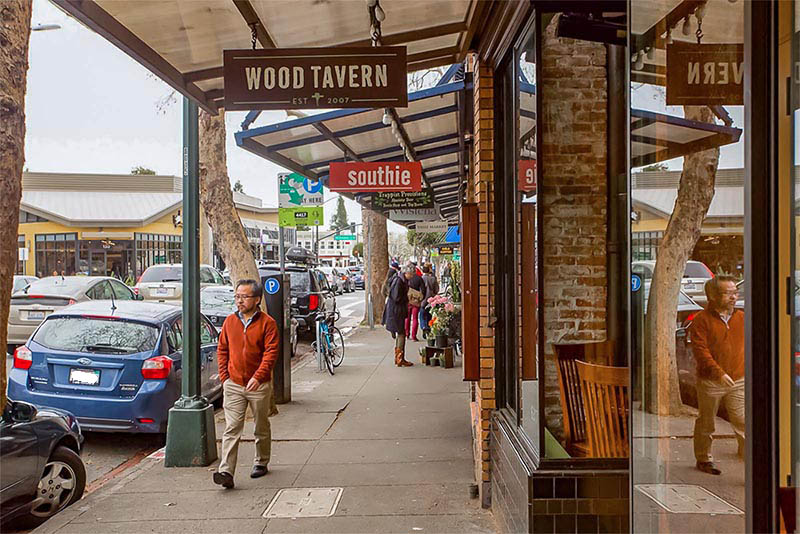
point(277, 297)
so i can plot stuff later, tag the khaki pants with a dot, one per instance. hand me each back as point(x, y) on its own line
point(709, 396)
point(235, 406)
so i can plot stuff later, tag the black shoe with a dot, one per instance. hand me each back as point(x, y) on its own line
point(259, 471)
point(223, 479)
point(708, 467)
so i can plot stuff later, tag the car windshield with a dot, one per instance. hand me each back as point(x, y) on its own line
point(684, 300)
point(98, 336)
point(162, 273)
point(695, 269)
point(57, 285)
point(217, 299)
point(19, 284)
point(301, 283)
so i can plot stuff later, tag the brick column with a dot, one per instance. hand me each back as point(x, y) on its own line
point(573, 199)
point(482, 183)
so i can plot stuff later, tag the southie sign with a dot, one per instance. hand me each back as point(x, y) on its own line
point(375, 177)
point(309, 78)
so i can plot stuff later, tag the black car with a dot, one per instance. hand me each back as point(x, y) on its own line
point(41, 471)
point(310, 293)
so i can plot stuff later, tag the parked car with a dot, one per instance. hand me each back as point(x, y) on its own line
point(358, 280)
point(164, 282)
point(334, 278)
point(115, 365)
point(22, 281)
point(348, 285)
point(310, 293)
point(31, 305)
point(217, 303)
point(41, 471)
point(695, 276)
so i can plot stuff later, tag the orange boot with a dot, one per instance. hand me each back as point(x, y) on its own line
point(400, 359)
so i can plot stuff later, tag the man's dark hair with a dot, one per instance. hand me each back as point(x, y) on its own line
point(712, 287)
point(257, 289)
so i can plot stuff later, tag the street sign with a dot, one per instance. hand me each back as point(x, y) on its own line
point(413, 215)
point(403, 200)
point(527, 175)
point(636, 282)
point(300, 216)
point(315, 78)
point(299, 201)
point(446, 251)
point(431, 227)
point(23, 254)
point(375, 176)
point(344, 237)
point(705, 74)
point(272, 286)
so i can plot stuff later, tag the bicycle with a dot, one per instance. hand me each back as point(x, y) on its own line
point(331, 341)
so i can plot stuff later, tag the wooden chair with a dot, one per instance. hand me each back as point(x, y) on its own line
point(605, 398)
point(571, 396)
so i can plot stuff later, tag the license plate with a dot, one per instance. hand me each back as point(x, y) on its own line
point(36, 316)
point(162, 291)
point(689, 286)
point(84, 377)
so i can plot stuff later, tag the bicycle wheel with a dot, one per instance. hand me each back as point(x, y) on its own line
point(336, 343)
point(328, 357)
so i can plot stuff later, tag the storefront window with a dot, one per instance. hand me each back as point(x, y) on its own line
point(687, 248)
point(55, 254)
point(153, 249)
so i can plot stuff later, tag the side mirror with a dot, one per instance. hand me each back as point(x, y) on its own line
point(137, 296)
point(22, 412)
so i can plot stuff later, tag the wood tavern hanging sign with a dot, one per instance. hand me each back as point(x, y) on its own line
point(705, 74)
point(309, 78)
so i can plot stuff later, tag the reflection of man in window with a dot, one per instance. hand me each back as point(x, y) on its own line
point(717, 335)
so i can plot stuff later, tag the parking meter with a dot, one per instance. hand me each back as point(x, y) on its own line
point(277, 298)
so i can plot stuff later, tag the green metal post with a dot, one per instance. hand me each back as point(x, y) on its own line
point(191, 436)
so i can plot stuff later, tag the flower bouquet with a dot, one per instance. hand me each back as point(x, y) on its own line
point(442, 312)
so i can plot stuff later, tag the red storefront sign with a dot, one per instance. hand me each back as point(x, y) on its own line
point(375, 177)
point(527, 175)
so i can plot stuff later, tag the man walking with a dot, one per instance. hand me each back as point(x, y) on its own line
point(247, 352)
point(717, 335)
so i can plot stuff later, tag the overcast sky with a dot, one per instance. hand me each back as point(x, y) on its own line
point(91, 108)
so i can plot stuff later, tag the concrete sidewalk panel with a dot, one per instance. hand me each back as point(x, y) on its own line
point(417, 499)
point(405, 403)
point(178, 480)
point(219, 504)
point(388, 524)
point(375, 425)
point(177, 526)
point(390, 451)
point(443, 472)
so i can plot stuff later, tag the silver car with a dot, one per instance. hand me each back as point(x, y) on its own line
point(31, 305)
point(21, 281)
point(695, 276)
point(164, 282)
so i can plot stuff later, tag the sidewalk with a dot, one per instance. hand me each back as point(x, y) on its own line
point(396, 440)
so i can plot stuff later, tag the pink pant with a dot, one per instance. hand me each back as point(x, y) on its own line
point(412, 321)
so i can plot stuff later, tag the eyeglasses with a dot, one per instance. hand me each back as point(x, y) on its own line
point(243, 297)
point(729, 293)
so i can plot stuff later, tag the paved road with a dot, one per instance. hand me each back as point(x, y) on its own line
point(351, 306)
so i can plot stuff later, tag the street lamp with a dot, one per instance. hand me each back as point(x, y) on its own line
point(45, 27)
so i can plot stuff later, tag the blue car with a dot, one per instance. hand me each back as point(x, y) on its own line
point(115, 366)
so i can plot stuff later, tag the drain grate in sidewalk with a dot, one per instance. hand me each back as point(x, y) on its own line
point(304, 502)
point(687, 499)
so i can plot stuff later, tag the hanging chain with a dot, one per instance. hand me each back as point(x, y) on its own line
point(699, 32)
point(374, 25)
point(253, 34)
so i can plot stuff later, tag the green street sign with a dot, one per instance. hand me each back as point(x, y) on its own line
point(344, 237)
point(308, 216)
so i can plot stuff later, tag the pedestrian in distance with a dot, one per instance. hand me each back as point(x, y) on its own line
point(247, 352)
point(717, 335)
point(416, 298)
point(431, 290)
point(394, 269)
point(395, 313)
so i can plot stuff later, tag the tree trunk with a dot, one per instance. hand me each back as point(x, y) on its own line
point(216, 198)
point(377, 248)
point(696, 189)
point(14, 34)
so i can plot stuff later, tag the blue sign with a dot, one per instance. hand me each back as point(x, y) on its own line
point(272, 286)
point(316, 188)
point(636, 282)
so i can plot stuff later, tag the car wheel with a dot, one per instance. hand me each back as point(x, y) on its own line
point(62, 483)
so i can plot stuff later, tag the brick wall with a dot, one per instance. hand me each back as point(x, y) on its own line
point(573, 199)
point(483, 187)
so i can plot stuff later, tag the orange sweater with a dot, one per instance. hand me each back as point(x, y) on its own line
point(718, 348)
point(244, 355)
